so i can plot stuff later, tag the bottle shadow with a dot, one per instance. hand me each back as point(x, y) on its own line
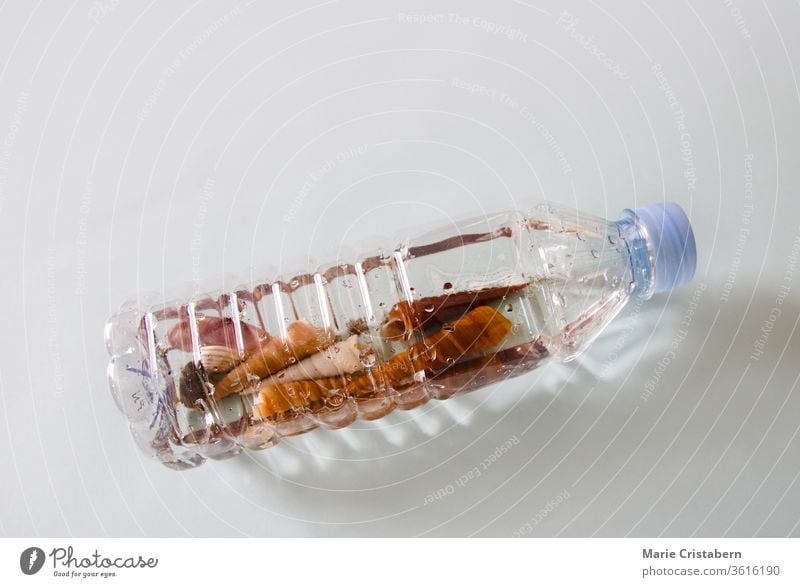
point(563, 426)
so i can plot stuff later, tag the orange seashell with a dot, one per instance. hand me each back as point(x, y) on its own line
point(479, 331)
point(302, 340)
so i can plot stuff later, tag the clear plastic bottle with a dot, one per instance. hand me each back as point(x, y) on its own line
point(444, 313)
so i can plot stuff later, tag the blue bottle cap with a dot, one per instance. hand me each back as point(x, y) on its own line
point(671, 241)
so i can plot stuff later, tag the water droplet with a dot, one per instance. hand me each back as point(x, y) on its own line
point(428, 308)
point(509, 308)
point(295, 283)
point(449, 328)
point(595, 254)
point(447, 285)
point(336, 400)
point(450, 360)
point(612, 239)
point(381, 304)
point(346, 283)
point(581, 236)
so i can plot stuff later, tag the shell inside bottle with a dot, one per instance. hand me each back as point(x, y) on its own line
point(446, 313)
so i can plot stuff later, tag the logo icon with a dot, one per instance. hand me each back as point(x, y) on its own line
point(31, 560)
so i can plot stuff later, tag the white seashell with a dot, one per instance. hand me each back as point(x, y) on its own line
point(218, 359)
point(338, 359)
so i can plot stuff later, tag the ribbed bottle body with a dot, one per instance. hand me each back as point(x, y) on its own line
point(444, 313)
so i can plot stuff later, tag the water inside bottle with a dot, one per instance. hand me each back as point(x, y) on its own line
point(446, 313)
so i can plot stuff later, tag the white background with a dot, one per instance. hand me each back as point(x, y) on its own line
point(163, 147)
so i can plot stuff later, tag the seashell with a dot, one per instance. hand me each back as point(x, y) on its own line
point(303, 339)
point(479, 331)
point(275, 398)
point(191, 384)
point(215, 331)
point(404, 317)
point(218, 359)
point(337, 359)
point(476, 332)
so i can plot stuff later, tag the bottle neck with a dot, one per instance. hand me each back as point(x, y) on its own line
point(640, 253)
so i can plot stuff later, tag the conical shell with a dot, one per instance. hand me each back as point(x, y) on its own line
point(338, 359)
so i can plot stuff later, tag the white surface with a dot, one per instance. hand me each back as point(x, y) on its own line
point(153, 147)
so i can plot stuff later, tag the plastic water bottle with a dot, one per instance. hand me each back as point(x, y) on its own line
point(444, 313)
